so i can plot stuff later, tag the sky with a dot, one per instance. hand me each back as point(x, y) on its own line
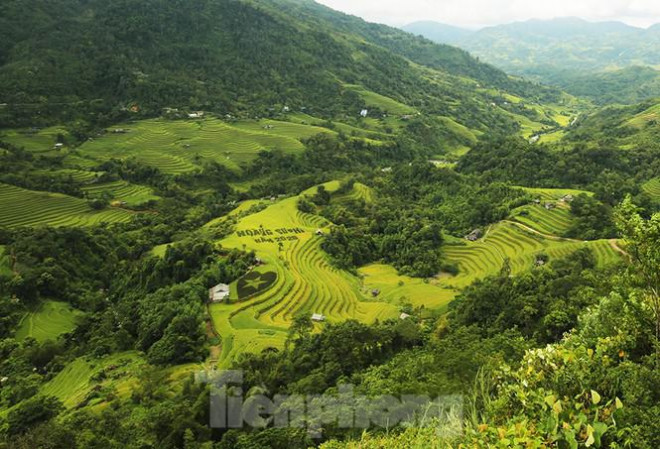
point(480, 13)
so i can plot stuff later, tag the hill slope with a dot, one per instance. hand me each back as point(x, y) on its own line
point(567, 52)
point(107, 62)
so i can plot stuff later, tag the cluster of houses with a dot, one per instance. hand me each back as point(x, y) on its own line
point(550, 205)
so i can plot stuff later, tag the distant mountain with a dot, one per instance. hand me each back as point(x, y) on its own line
point(438, 32)
point(566, 52)
point(567, 43)
point(630, 85)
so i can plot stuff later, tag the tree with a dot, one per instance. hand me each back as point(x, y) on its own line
point(33, 411)
point(642, 239)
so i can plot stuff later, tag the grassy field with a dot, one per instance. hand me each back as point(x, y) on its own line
point(178, 146)
point(653, 188)
point(122, 191)
point(21, 207)
point(50, 321)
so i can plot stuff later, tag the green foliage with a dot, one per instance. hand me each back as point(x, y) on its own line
point(593, 219)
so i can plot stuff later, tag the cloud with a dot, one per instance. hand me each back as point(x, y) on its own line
point(475, 13)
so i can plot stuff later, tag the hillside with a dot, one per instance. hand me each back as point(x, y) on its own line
point(438, 32)
point(609, 62)
point(103, 62)
point(624, 127)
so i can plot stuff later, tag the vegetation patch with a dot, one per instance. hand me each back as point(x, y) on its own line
point(255, 282)
point(53, 319)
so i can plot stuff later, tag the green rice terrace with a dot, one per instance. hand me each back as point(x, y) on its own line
point(5, 262)
point(551, 214)
point(295, 276)
point(35, 140)
point(122, 193)
point(653, 188)
point(22, 207)
point(179, 146)
point(50, 321)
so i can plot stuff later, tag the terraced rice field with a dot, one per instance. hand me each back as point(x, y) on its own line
point(49, 322)
point(289, 130)
point(653, 188)
point(385, 104)
point(181, 146)
point(554, 221)
point(348, 129)
point(131, 194)
point(21, 207)
point(82, 176)
point(5, 262)
point(554, 194)
point(359, 192)
point(41, 141)
point(400, 290)
point(305, 283)
point(75, 382)
point(643, 118)
point(507, 240)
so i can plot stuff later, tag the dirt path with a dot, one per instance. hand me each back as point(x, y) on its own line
point(211, 332)
point(615, 246)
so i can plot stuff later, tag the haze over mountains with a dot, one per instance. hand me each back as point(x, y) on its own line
point(562, 51)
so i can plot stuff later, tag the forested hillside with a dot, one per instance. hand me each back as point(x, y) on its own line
point(609, 62)
point(99, 61)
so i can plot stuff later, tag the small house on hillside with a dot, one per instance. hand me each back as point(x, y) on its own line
point(58, 146)
point(550, 206)
point(567, 198)
point(404, 316)
point(318, 317)
point(375, 292)
point(219, 293)
point(364, 112)
point(474, 235)
point(319, 232)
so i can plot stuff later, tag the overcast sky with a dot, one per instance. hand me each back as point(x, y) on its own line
point(479, 13)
